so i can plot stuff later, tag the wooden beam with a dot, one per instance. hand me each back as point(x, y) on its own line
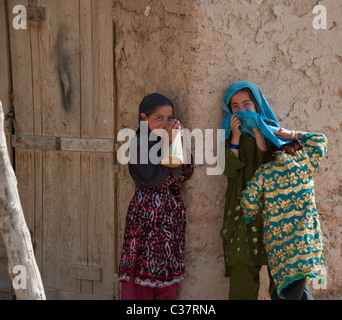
point(86, 273)
point(87, 145)
point(64, 144)
point(35, 142)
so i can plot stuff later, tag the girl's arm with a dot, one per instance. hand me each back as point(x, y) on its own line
point(261, 143)
point(285, 134)
point(235, 124)
point(315, 144)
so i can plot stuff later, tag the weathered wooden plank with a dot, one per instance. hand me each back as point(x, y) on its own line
point(103, 125)
point(51, 294)
point(38, 206)
point(87, 145)
point(68, 53)
point(86, 273)
point(83, 215)
point(26, 184)
point(87, 84)
point(117, 292)
point(64, 144)
point(102, 231)
point(50, 99)
point(97, 69)
point(21, 73)
point(61, 182)
point(5, 285)
point(103, 109)
point(69, 200)
point(60, 68)
point(52, 221)
point(36, 142)
point(35, 26)
point(5, 85)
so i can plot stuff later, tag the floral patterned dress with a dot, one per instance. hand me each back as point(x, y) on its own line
point(283, 192)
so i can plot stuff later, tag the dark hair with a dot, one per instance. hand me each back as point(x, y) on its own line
point(251, 96)
point(151, 102)
point(290, 148)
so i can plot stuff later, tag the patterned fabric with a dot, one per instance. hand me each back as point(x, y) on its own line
point(241, 243)
point(254, 120)
point(283, 192)
point(265, 110)
point(154, 236)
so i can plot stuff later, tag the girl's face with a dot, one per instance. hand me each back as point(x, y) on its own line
point(159, 118)
point(241, 101)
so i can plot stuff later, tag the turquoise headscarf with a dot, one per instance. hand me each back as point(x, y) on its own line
point(265, 121)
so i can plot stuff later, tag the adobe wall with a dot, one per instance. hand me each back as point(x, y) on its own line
point(192, 51)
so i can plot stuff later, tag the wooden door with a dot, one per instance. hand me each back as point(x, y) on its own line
point(62, 75)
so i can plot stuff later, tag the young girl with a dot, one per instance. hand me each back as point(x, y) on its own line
point(152, 260)
point(244, 252)
point(283, 189)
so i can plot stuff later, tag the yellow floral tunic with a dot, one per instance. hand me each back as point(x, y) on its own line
point(283, 192)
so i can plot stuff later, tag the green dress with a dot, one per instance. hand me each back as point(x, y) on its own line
point(241, 243)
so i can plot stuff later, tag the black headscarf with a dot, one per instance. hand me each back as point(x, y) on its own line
point(150, 175)
point(151, 102)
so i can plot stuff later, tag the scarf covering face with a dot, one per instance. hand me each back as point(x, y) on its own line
point(144, 171)
point(265, 121)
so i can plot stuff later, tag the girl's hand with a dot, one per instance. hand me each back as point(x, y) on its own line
point(235, 124)
point(284, 134)
point(173, 124)
point(166, 130)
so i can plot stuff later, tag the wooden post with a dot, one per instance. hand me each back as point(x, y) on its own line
point(22, 265)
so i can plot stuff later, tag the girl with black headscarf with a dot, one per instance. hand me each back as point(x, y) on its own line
point(152, 257)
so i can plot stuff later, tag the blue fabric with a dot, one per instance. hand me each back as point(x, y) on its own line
point(265, 121)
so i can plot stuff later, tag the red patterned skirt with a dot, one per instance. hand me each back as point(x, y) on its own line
point(154, 237)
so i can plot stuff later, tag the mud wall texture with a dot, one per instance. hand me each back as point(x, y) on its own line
point(192, 51)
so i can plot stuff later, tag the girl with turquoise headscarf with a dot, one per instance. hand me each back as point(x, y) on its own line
point(249, 124)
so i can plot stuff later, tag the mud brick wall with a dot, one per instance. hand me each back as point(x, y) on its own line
point(192, 51)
